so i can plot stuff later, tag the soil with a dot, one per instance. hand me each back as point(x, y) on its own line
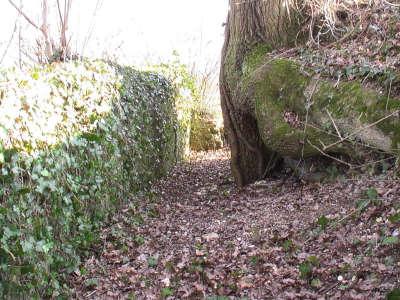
point(196, 236)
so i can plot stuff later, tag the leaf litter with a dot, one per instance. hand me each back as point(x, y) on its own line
point(196, 236)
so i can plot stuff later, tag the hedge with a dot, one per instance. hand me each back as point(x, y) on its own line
point(76, 140)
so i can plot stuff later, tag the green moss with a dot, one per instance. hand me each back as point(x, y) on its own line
point(231, 71)
point(282, 88)
point(254, 58)
point(350, 100)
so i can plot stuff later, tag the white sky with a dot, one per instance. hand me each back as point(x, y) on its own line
point(134, 30)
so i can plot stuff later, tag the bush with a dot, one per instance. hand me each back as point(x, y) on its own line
point(205, 134)
point(198, 127)
point(76, 139)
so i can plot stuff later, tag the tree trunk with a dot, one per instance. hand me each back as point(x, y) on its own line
point(252, 29)
point(275, 108)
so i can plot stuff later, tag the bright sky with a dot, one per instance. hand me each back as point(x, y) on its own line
point(133, 30)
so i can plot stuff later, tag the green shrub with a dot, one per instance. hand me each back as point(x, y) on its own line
point(187, 98)
point(197, 122)
point(205, 134)
point(76, 140)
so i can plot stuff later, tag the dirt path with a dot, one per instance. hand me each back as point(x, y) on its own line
point(198, 237)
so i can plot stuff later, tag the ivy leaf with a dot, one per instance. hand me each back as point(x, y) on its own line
point(372, 193)
point(152, 262)
point(316, 283)
point(91, 137)
point(390, 240)
point(35, 75)
point(395, 218)
point(45, 173)
point(323, 221)
point(166, 292)
point(305, 270)
point(362, 204)
point(393, 295)
point(91, 282)
point(27, 246)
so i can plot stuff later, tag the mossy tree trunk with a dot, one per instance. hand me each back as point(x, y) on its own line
point(275, 108)
point(252, 29)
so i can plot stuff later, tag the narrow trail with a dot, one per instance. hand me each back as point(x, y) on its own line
point(198, 237)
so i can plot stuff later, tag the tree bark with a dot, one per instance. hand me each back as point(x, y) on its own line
point(274, 109)
point(250, 23)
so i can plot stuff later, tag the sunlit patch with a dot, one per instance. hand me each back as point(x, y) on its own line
point(42, 107)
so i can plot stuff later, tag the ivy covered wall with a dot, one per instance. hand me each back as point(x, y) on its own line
point(76, 141)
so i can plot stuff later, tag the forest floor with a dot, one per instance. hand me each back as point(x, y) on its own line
point(196, 236)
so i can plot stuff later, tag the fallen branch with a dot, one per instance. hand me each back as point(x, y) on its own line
point(334, 124)
point(361, 129)
point(330, 156)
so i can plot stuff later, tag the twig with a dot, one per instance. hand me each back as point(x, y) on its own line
point(324, 291)
point(308, 106)
point(330, 156)
point(9, 42)
point(374, 162)
point(9, 252)
point(346, 217)
point(335, 135)
point(361, 129)
point(334, 124)
point(90, 294)
point(388, 97)
point(25, 16)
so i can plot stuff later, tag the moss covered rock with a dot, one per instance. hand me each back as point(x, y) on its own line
point(301, 115)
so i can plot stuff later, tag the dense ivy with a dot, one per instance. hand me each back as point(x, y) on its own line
point(187, 98)
point(76, 139)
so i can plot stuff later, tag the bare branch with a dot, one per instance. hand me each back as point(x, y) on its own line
point(329, 156)
point(334, 124)
point(45, 30)
point(98, 6)
point(24, 15)
point(9, 42)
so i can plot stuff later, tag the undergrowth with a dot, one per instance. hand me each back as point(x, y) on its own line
point(76, 140)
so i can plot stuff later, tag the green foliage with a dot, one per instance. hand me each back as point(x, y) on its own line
point(361, 205)
point(152, 262)
point(372, 193)
point(288, 246)
point(395, 218)
point(390, 240)
point(167, 292)
point(187, 98)
point(197, 125)
point(323, 221)
point(393, 295)
point(306, 268)
point(76, 140)
point(205, 135)
point(91, 282)
point(316, 283)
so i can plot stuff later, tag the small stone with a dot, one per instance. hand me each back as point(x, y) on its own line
point(199, 253)
point(211, 236)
